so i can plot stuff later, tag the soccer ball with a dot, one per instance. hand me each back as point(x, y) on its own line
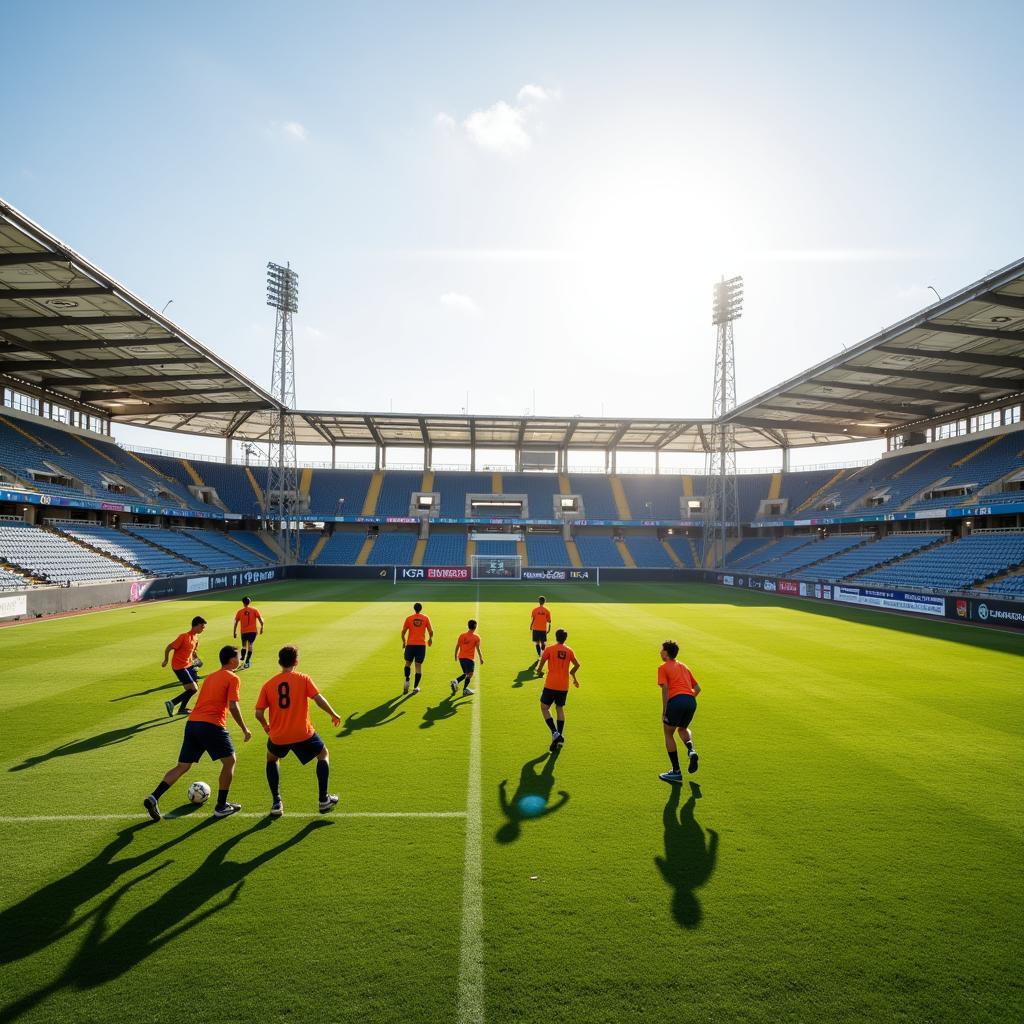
point(198, 793)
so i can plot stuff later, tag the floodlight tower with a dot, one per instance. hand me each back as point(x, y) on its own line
point(282, 466)
point(722, 508)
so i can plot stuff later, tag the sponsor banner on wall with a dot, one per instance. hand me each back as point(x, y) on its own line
point(177, 586)
point(987, 611)
point(790, 587)
point(197, 584)
point(897, 600)
point(59, 501)
point(544, 574)
point(455, 572)
point(12, 605)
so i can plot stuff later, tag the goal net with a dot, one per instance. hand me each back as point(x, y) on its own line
point(497, 567)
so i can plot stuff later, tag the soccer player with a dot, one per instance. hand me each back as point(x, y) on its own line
point(205, 733)
point(678, 705)
point(562, 664)
point(540, 626)
point(417, 636)
point(184, 647)
point(467, 647)
point(247, 617)
point(287, 697)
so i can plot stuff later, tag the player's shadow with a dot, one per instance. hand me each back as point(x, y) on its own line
point(173, 685)
point(105, 955)
point(531, 783)
point(448, 708)
point(382, 714)
point(689, 860)
point(101, 739)
point(526, 675)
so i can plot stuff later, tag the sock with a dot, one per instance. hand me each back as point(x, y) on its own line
point(459, 679)
point(222, 797)
point(673, 756)
point(177, 700)
point(537, 648)
point(323, 772)
point(274, 779)
point(550, 723)
point(419, 676)
point(561, 727)
point(185, 698)
point(407, 673)
point(689, 746)
point(465, 685)
point(160, 789)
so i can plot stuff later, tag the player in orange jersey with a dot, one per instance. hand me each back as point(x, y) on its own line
point(287, 697)
point(205, 733)
point(184, 646)
point(247, 617)
point(467, 647)
point(678, 705)
point(540, 627)
point(417, 636)
point(562, 665)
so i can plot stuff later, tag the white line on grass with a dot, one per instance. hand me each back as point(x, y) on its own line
point(32, 819)
point(471, 955)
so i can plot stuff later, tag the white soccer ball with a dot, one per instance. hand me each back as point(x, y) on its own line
point(198, 793)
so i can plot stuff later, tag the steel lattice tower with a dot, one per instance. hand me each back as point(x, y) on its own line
point(722, 512)
point(282, 466)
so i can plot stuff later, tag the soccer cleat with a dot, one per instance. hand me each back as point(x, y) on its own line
point(226, 811)
point(329, 803)
point(405, 687)
point(276, 809)
point(556, 741)
point(467, 692)
point(692, 766)
point(455, 686)
point(415, 689)
point(185, 711)
point(169, 704)
point(152, 807)
point(671, 776)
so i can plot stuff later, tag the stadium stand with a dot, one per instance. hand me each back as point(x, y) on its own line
point(126, 547)
point(497, 547)
point(12, 580)
point(540, 490)
point(956, 566)
point(392, 549)
point(751, 489)
point(747, 547)
point(1012, 586)
point(683, 549)
point(252, 539)
point(341, 549)
point(396, 492)
point(231, 484)
point(308, 539)
point(55, 558)
point(798, 487)
point(654, 497)
point(445, 549)
point(454, 487)
point(546, 550)
point(784, 563)
point(868, 556)
point(596, 492)
point(648, 553)
point(328, 486)
point(599, 551)
point(983, 464)
point(185, 545)
point(759, 559)
point(223, 543)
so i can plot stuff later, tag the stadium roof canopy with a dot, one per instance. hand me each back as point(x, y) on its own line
point(71, 334)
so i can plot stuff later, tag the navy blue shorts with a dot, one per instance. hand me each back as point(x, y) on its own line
point(540, 636)
point(468, 666)
point(556, 697)
point(249, 638)
point(305, 750)
point(416, 652)
point(187, 676)
point(204, 738)
point(680, 710)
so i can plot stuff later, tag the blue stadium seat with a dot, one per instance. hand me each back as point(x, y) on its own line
point(546, 550)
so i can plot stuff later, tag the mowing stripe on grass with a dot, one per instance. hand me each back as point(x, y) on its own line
point(32, 819)
point(471, 954)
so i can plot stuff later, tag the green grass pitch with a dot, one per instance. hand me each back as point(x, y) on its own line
point(852, 853)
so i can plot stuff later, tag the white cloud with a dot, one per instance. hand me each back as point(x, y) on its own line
point(535, 94)
point(295, 131)
point(445, 121)
point(459, 303)
point(504, 127)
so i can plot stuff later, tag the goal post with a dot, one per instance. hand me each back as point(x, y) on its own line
point(496, 567)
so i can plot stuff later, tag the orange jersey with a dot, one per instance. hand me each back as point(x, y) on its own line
point(212, 703)
point(184, 648)
point(558, 658)
point(677, 677)
point(540, 618)
point(247, 618)
point(468, 644)
point(417, 626)
point(287, 696)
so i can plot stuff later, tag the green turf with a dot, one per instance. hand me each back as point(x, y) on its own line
point(853, 852)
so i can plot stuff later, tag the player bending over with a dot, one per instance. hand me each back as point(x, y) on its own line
point(247, 617)
point(184, 647)
point(540, 627)
point(678, 705)
point(558, 658)
point(467, 647)
point(205, 733)
point(287, 697)
point(417, 636)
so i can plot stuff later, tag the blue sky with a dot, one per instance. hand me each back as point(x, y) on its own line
point(524, 203)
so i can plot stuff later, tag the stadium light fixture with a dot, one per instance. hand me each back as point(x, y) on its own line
point(728, 301)
point(282, 288)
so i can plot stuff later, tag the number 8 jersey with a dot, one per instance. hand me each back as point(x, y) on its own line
point(286, 697)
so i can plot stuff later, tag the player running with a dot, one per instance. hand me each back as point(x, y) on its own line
point(678, 705)
point(540, 626)
point(417, 636)
point(467, 647)
point(287, 697)
point(247, 617)
point(205, 733)
point(184, 647)
point(558, 658)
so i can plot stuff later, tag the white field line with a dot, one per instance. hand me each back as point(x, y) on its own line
point(471, 953)
point(32, 819)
